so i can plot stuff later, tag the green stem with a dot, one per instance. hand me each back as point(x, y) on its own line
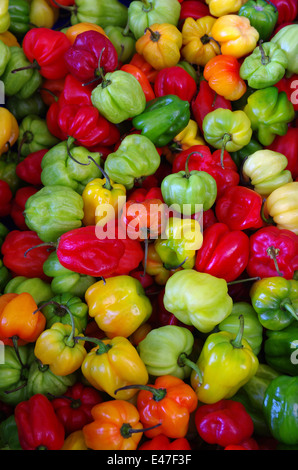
point(187, 172)
point(102, 347)
point(273, 252)
point(226, 138)
point(126, 30)
point(239, 281)
point(267, 220)
point(173, 268)
point(237, 342)
point(183, 360)
point(289, 307)
point(34, 65)
point(264, 58)
point(158, 393)
point(52, 244)
point(154, 35)
point(70, 341)
point(126, 430)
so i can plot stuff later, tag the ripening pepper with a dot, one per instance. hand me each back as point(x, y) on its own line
point(198, 46)
point(217, 8)
point(265, 66)
point(270, 113)
point(54, 210)
point(223, 75)
point(98, 12)
point(63, 308)
point(143, 14)
point(188, 137)
point(285, 39)
point(34, 135)
point(155, 267)
point(262, 15)
point(142, 79)
point(19, 12)
point(275, 301)
point(40, 290)
point(282, 205)
point(162, 119)
point(9, 132)
point(280, 349)
point(226, 363)
point(136, 157)
point(119, 305)
point(194, 304)
point(266, 171)
point(43, 14)
point(4, 16)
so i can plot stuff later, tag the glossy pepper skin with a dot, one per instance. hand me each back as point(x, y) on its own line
point(9, 131)
point(40, 290)
point(275, 301)
point(282, 205)
point(280, 349)
point(217, 8)
point(162, 119)
point(62, 307)
point(198, 46)
point(288, 145)
point(263, 16)
point(75, 441)
point(175, 81)
point(34, 135)
point(223, 423)
point(18, 206)
point(19, 12)
point(223, 75)
point(29, 169)
point(6, 198)
point(193, 305)
point(123, 40)
point(112, 13)
point(119, 306)
point(285, 39)
point(280, 409)
point(31, 105)
point(287, 10)
point(38, 425)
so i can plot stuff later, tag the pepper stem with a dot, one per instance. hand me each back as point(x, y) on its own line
point(183, 360)
point(226, 138)
point(173, 268)
point(102, 347)
point(154, 35)
point(264, 58)
point(70, 340)
point(267, 220)
point(289, 307)
point(34, 65)
point(158, 393)
point(126, 430)
point(239, 281)
point(187, 172)
point(52, 244)
point(27, 138)
point(237, 342)
point(273, 252)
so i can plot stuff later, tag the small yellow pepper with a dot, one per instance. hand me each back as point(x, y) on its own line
point(220, 7)
point(9, 130)
point(198, 47)
point(235, 35)
point(43, 14)
point(282, 206)
point(189, 136)
point(75, 441)
point(160, 45)
point(4, 16)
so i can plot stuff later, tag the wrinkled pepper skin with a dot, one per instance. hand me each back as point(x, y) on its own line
point(262, 15)
point(282, 205)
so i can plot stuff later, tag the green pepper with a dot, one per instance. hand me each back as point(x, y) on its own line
point(135, 158)
point(280, 349)
point(262, 16)
point(24, 82)
point(251, 395)
point(3, 233)
point(270, 112)
point(119, 96)
point(123, 41)
point(4, 56)
point(8, 165)
point(65, 281)
point(281, 410)
point(100, 12)
point(163, 118)
point(75, 171)
point(58, 308)
point(275, 299)
point(5, 276)
point(239, 156)
point(142, 14)
point(286, 39)
point(189, 68)
point(253, 330)
point(19, 11)
point(21, 108)
point(265, 66)
point(166, 351)
point(9, 436)
point(34, 135)
point(40, 290)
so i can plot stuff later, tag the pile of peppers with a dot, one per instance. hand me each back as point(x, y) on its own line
point(149, 225)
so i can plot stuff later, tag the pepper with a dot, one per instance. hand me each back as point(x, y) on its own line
point(9, 130)
point(75, 441)
point(175, 81)
point(280, 349)
point(6, 198)
point(51, 90)
point(281, 205)
point(5, 56)
point(265, 66)
point(188, 137)
point(9, 438)
point(4, 17)
point(224, 252)
point(32, 105)
point(223, 351)
point(162, 442)
point(5, 276)
point(38, 426)
point(266, 171)
point(119, 96)
point(43, 14)
point(198, 46)
point(105, 13)
point(9, 39)
point(218, 9)
point(287, 11)
point(240, 155)
point(193, 9)
point(139, 61)
point(114, 363)
point(135, 158)
point(62, 308)
point(29, 169)
point(39, 289)
point(142, 79)
point(288, 145)
point(280, 409)
point(18, 206)
point(90, 52)
point(19, 12)
point(270, 113)
point(119, 305)
point(275, 301)
point(43, 212)
point(143, 14)
point(285, 39)
point(3, 233)
point(162, 119)
point(155, 267)
point(223, 423)
point(263, 16)
point(272, 252)
point(123, 41)
point(193, 306)
point(74, 407)
point(34, 135)
point(73, 31)
point(70, 166)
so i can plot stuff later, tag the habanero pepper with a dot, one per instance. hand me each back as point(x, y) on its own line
point(175, 81)
point(288, 146)
point(18, 206)
point(29, 169)
point(223, 75)
point(142, 79)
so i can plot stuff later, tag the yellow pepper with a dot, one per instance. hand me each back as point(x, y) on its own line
point(58, 348)
point(220, 7)
point(282, 206)
point(103, 200)
point(118, 305)
point(189, 136)
point(9, 39)
point(9, 130)
point(160, 45)
point(198, 45)
point(43, 14)
point(75, 441)
point(113, 364)
point(235, 35)
point(4, 16)
point(73, 31)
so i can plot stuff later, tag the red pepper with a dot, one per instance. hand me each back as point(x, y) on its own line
point(91, 55)
point(224, 423)
point(287, 10)
point(74, 407)
point(142, 79)
point(51, 89)
point(45, 49)
point(145, 279)
point(249, 444)
point(18, 206)
point(38, 425)
point(15, 245)
point(29, 169)
point(290, 86)
point(6, 198)
point(288, 146)
point(175, 81)
point(162, 442)
point(273, 252)
point(193, 9)
point(139, 61)
point(206, 101)
point(201, 159)
point(240, 208)
point(141, 194)
point(224, 252)
point(208, 218)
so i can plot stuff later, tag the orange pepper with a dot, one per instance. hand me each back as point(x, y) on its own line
point(17, 319)
point(4, 300)
point(139, 61)
point(73, 31)
point(142, 79)
point(9, 39)
point(222, 74)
